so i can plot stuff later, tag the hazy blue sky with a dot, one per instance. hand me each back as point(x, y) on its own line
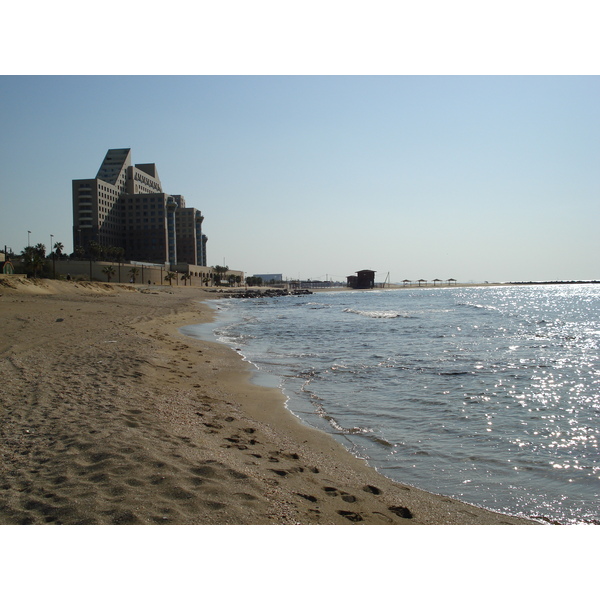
point(477, 178)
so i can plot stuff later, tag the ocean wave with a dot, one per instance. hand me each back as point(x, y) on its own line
point(454, 373)
point(376, 314)
point(333, 422)
point(477, 306)
point(317, 305)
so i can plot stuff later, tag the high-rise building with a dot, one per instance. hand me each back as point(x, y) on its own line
point(124, 206)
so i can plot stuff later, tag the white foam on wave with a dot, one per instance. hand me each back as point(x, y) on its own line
point(374, 314)
point(479, 306)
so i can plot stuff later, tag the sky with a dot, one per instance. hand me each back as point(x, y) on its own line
point(418, 169)
point(478, 178)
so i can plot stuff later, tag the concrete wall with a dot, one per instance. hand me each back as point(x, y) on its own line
point(153, 274)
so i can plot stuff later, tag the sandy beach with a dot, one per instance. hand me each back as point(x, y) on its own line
point(109, 415)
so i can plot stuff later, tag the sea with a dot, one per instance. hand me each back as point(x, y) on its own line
point(488, 394)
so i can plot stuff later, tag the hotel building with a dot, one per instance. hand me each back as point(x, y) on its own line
point(124, 206)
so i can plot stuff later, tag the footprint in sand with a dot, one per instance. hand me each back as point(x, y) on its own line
point(351, 516)
point(205, 471)
point(345, 496)
point(401, 511)
point(280, 472)
point(308, 497)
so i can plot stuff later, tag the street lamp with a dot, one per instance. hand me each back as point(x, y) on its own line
point(28, 238)
point(53, 257)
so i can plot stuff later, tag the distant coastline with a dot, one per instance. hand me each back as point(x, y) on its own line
point(552, 282)
point(268, 291)
point(400, 286)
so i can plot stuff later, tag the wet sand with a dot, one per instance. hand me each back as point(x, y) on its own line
point(109, 415)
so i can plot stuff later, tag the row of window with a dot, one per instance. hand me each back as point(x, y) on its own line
point(138, 200)
point(144, 213)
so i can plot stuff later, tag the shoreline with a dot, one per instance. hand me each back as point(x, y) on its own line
point(272, 291)
point(111, 415)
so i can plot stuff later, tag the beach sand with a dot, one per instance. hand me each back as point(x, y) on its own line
point(109, 415)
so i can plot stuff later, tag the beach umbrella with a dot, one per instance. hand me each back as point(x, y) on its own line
point(436, 280)
point(424, 280)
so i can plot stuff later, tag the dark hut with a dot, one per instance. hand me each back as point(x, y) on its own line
point(363, 280)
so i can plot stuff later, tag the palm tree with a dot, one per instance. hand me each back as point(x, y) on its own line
point(110, 253)
point(118, 254)
point(185, 277)
point(170, 276)
point(33, 259)
point(219, 271)
point(109, 271)
point(95, 250)
point(37, 264)
point(134, 271)
point(58, 250)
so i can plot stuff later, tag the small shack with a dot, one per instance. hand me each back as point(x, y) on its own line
point(363, 280)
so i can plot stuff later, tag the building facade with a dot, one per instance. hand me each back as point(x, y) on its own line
point(124, 206)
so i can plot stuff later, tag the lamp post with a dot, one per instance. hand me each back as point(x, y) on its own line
point(53, 257)
point(28, 238)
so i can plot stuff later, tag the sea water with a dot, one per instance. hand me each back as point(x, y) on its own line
point(487, 394)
